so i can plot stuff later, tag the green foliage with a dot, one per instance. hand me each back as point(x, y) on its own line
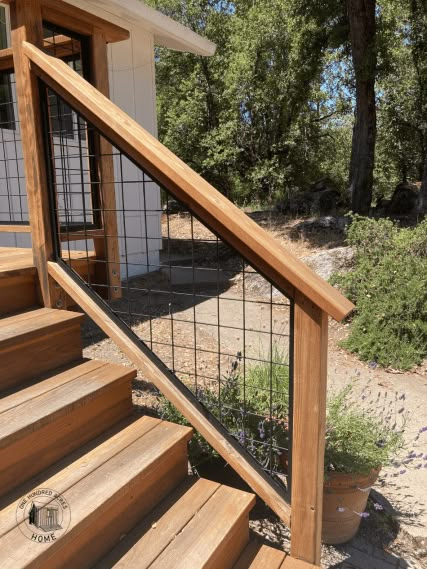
point(358, 440)
point(243, 407)
point(388, 285)
point(273, 110)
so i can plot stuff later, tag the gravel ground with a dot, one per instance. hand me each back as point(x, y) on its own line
point(396, 537)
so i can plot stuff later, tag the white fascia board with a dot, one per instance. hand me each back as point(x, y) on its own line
point(136, 14)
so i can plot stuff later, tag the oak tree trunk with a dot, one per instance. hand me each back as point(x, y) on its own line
point(423, 191)
point(361, 16)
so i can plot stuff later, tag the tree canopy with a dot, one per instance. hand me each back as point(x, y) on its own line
point(277, 107)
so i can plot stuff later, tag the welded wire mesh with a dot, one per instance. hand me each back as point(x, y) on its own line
point(216, 323)
point(13, 198)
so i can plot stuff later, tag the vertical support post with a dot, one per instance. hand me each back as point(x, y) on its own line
point(26, 20)
point(106, 247)
point(309, 420)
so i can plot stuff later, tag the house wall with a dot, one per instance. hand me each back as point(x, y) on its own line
point(132, 88)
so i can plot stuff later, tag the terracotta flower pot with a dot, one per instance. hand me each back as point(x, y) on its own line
point(344, 500)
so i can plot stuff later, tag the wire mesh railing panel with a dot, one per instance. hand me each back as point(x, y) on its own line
point(216, 323)
point(13, 197)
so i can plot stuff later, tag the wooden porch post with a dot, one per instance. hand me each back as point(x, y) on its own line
point(106, 247)
point(26, 20)
point(309, 418)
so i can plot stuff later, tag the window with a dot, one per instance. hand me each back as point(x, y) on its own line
point(7, 112)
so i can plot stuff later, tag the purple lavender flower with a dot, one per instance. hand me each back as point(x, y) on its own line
point(363, 515)
point(373, 365)
point(423, 430)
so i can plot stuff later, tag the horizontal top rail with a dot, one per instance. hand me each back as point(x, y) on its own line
point(256, 245)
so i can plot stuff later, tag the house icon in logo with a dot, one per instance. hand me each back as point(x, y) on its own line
point(44, 517)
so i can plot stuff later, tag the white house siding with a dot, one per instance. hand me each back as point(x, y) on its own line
point(132, 88)
point(132, 83)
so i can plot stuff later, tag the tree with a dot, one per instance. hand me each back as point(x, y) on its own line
point(419, 50)
point(361, 16)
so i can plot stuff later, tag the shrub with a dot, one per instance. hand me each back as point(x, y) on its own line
point(243, 407)
point(359, 440)
point(388, 285)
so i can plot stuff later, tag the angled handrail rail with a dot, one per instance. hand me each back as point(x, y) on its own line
point(271, 259)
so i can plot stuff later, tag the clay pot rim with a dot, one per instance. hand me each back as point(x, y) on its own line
point(344, 479)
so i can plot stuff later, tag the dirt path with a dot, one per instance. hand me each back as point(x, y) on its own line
point(195, 325)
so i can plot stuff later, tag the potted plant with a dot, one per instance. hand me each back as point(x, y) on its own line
point(360, 440)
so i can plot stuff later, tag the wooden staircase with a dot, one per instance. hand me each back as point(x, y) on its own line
point(121, 481)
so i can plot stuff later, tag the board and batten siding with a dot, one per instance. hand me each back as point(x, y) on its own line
point(132, 88)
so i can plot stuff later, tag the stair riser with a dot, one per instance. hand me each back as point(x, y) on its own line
point(85, 544)
point(17, 293)
point(65, 432)
point(227, 554)
point(27, 359)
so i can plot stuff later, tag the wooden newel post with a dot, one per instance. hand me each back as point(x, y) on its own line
point(309, 417)
point(26, 20)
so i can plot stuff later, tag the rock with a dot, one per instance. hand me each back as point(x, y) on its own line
point(173, 206)
point(322, 185)
point(318, 224)
point(331, 261)
point(305, 203)
point(404, 200)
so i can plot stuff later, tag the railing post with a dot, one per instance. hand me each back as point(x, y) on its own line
point(107, 247)
point(26, 19)
point(308, 434)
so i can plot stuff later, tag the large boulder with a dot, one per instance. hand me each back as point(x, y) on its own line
point(404, 200)
point(325, 263)
point(322, 198)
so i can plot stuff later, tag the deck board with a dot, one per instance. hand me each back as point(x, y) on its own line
point(13, 260)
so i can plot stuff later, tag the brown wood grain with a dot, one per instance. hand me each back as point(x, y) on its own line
point(15, 229)
point(255, 244)
point(308, 434)
point(60, 46)
point(81, 22)
point(70, 473)
point(260, 556)
point(174, 391)
point(106, 248)
point(77, 20)
point(26, 20)
point(39, 432)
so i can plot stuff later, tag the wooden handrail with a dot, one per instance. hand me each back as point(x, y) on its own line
point(256, 245)
point(156, 372)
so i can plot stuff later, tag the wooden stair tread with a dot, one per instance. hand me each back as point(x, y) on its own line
point(13, 259)
point(259, 556)
point(55, 396)
point(66, 475)
point(211, 527)
point(33, 322)
point(153, 535)
point(96, 497)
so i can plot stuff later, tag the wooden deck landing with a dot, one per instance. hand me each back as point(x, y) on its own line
point(14, 259)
